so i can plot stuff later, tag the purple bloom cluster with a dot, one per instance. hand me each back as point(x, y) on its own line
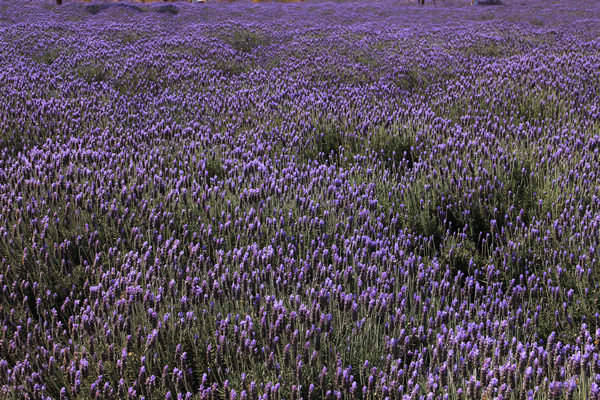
point(299, 201)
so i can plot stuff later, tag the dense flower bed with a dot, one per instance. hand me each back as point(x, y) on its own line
point(314, 200)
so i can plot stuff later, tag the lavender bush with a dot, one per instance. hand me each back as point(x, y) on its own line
point(299, 201)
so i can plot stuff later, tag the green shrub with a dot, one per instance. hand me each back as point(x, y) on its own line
point(244, 40)
point(394, 150)
point(168, 9)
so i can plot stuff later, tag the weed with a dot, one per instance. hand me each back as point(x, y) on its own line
point(215, 169)
point(394, 150)
point(93, 72)
point(49, 56)
point(96, 9)
point(245, 40)
point(168, 9)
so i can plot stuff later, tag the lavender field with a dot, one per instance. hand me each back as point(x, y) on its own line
point(317, 200)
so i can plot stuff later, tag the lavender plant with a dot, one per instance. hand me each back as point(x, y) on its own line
point(299, 201)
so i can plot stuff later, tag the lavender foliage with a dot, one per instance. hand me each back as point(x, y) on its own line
point(314, 200)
